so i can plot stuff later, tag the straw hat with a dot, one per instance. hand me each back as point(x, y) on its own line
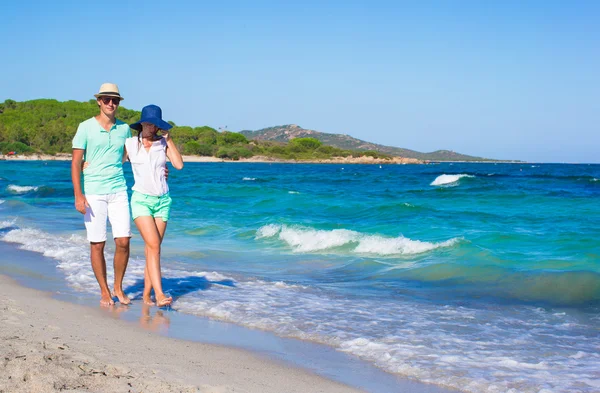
point(109, 90)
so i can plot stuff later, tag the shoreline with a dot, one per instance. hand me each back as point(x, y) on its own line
point(50, 345)
point(270, 160)
point(56, 339)
point(255, 159)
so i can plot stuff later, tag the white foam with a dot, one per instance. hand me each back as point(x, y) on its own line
point(21, 189)
point(448, 179)
point(210, 276)
point(595, 383)
point(268, 231)
point(399, 245)
point(2, 201)
point(249, 179)
point(306, 240)
point(281, 284)
point(6, 224)
point(423, 341)
point(293, 192)
point(430, 342)
point(73, 258)
point(511, 363)
point(71, 253)
point(302, 239)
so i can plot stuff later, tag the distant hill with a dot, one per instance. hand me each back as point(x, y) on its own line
point(290, 131)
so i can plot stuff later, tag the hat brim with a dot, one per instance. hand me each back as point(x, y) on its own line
point(108, 95)
point(160, 123)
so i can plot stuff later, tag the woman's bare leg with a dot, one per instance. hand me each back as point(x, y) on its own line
point(152, 238)
point(162, 227)
point(147, 298)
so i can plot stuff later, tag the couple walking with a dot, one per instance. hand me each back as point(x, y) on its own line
point(101, 146)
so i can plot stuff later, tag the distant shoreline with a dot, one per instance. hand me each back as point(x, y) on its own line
point(264, 159)
point(256, 159)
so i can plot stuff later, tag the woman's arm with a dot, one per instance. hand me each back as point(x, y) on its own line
point(172, 153)
point(124, 153)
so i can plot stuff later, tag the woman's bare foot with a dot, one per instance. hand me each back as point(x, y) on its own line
point(123, 299)
point(162, 300)
point(148, 301)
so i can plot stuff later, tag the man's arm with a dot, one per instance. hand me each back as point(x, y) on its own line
point(76, 162)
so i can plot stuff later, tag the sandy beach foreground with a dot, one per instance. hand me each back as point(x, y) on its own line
point(48, 345)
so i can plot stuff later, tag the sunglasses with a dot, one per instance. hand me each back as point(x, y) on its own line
point(114, 100)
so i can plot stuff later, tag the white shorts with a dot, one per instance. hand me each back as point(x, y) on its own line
point(115, 207)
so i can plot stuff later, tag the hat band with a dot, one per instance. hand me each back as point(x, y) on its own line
point(103, 93)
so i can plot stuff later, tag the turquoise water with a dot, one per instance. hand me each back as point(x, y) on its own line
point(480, 277)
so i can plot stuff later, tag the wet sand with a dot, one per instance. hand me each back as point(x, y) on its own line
point(48, 345)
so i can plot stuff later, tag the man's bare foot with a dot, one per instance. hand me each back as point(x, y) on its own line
point(162, 300)
point(123, 299)
point(106, 300)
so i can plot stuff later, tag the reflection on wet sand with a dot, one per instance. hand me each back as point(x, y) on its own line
point(114, 309)
point(157, 323)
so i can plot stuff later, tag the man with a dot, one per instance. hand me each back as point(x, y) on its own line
point(100, 142)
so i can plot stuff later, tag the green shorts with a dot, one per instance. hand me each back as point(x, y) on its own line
point(146, 205)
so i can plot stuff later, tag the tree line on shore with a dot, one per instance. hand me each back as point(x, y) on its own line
point(47, 126)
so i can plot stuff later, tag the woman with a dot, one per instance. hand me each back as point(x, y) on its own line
point(150, 201)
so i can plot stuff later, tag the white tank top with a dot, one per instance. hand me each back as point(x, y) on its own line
point(148, 166)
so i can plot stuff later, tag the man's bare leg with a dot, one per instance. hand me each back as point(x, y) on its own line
point(120, 265)
point(153, 239)
point(99, 268)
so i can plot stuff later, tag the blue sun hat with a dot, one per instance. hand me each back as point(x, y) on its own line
point(151, 114)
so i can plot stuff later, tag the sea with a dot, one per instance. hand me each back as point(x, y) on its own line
point(479, 277)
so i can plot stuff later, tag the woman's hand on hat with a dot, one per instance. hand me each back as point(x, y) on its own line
point(166, 135)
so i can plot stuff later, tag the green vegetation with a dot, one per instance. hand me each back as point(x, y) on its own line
point(17, 147)
point(48, 126)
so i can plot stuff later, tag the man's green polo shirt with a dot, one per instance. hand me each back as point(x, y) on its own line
point(104, 154)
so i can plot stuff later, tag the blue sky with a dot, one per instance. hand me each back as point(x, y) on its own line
point(508, 80)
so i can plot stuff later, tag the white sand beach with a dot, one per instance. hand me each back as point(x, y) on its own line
point(49, 345)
